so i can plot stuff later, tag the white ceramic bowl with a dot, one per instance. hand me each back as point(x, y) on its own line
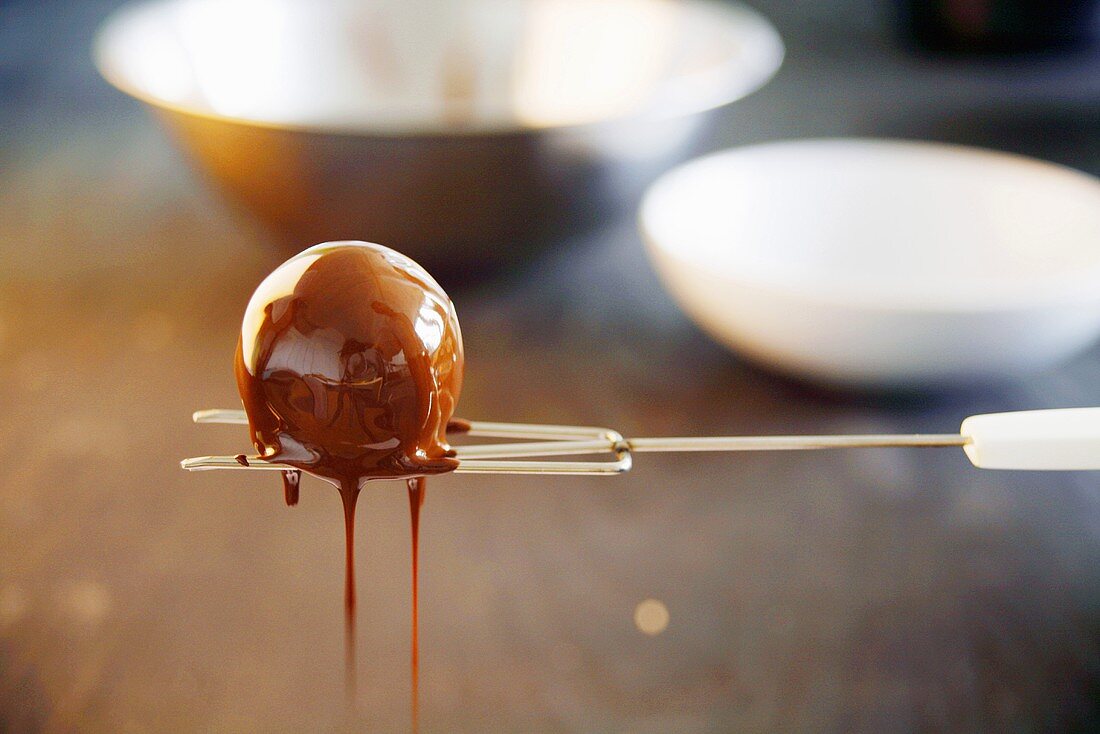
point(882, 262)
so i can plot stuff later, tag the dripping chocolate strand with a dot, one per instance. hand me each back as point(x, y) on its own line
point(349, 493)
point(417, 487)
point(458, 425)
point(292, 480)
point(338, 379)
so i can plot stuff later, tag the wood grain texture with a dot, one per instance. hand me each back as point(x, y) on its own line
point(876, 591)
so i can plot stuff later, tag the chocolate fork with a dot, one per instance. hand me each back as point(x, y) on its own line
point(1063, 439)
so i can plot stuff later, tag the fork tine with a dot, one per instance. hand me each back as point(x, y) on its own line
point(621, 464)
point(220, 415)
point(478, 429)
point(551, 440)
point(205, 463)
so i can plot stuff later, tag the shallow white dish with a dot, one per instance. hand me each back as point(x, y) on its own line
point(882, 262)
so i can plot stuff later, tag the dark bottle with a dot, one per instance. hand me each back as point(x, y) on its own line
point(1001, 26)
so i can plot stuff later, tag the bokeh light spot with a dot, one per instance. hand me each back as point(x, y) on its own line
point(651, 617)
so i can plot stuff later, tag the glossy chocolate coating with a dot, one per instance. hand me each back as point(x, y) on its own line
point(350, 364)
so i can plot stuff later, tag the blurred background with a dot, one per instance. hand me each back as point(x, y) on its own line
point(887, 590)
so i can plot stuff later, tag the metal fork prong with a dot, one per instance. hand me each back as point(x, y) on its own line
point(487, 429)
point(555, 468)
point(204, 463)
point(220, 415)
point(487, 451)
point(477, 466)
point(532, 450)
point(478, 429)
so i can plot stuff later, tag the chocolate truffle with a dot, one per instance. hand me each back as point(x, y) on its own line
point(350, 364)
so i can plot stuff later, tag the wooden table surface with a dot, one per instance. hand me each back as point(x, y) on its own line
point(877, 591)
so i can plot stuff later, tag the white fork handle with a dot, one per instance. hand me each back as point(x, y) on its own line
point(1034, 439)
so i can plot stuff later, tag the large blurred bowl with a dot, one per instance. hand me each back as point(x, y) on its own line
point(455, 131)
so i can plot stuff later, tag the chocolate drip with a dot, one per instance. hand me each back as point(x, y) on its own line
point(349, 494)
point(417, 488)
point(292, 479)
point(349, 366)
point(458, 426)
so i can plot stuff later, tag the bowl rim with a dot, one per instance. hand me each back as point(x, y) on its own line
point(735, 12)
point(1069, 285)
